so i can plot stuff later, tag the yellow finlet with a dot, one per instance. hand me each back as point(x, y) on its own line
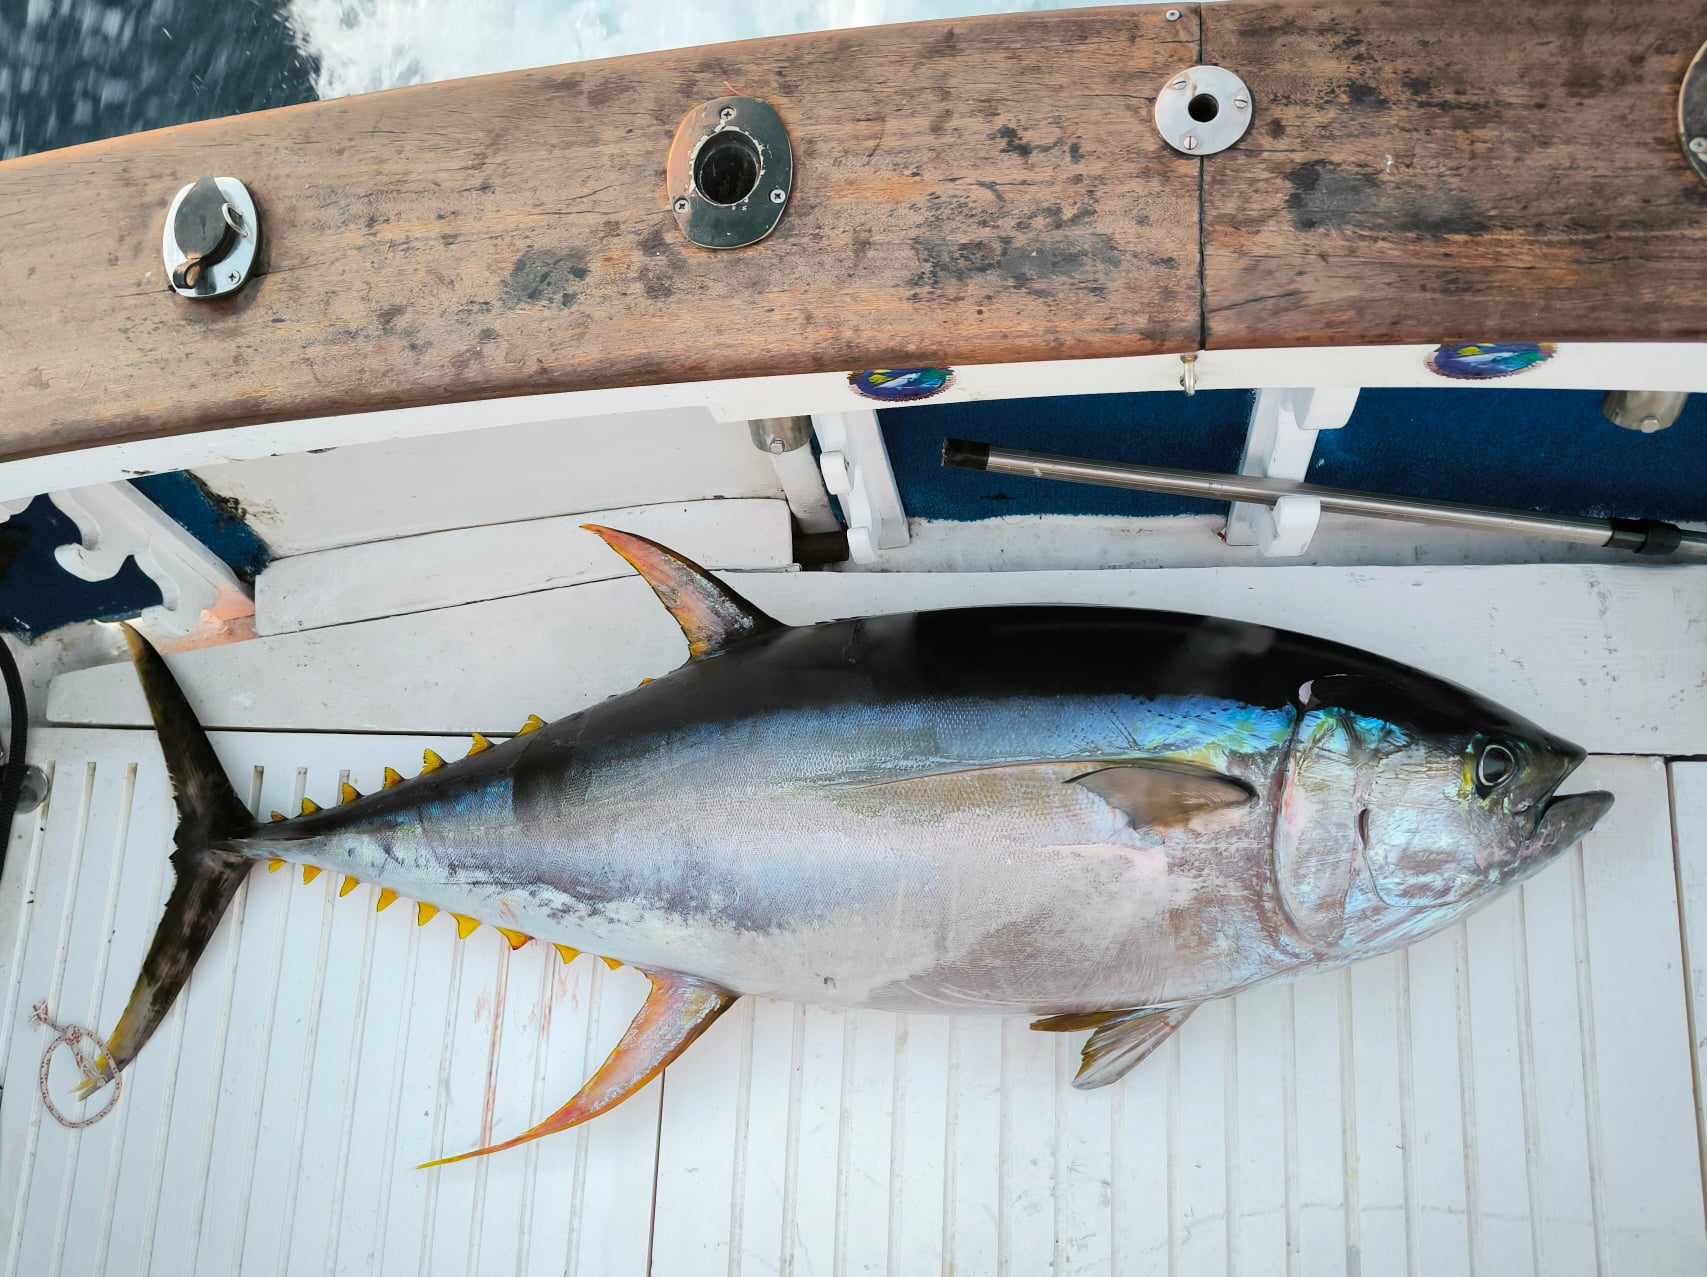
point(479, 745)
point(612, 963)
point(348, 885)
point(425, 913)
point(309, 806)
point(534, 723)
point(278, 815)
point(310, 873)
point(465, 926)
point(393, 778)
point(348, 793)
point(430, 762)
point(566, 953)
point(274, 865)
point(387, 898)
point(516, 938)
point(645, 681)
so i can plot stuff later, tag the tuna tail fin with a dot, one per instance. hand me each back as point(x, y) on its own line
point(207, 877)
point(712, 616)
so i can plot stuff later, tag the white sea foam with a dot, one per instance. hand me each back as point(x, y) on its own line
point(363, 45)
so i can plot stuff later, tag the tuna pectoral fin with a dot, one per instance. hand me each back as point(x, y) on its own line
point(1122, 1039)
point(676, 1012)
point(1165, 793)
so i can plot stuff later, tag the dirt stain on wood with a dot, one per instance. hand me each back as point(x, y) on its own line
point(542, 277)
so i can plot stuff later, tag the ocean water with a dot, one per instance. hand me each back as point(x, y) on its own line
point(74, 71)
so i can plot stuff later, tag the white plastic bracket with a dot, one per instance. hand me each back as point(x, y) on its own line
point(1282, 437)
point(115, 522)
point(13, 505)
point(856, 468)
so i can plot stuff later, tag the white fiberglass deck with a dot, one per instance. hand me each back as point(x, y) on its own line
point(1514, 1096)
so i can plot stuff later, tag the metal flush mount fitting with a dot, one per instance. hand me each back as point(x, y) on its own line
point(1202, 110)
point(212, 235)
point(730, 172)
point(1692, 113)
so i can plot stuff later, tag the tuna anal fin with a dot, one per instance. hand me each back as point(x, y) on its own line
point(1122, 1039)
point(712, 616)
point(676, 1012)
point(1164, 793)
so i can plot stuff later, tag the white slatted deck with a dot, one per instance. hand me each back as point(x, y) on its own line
point(1514, 1096)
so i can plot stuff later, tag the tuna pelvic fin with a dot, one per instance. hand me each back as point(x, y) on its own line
point(712, 616)
point(206, 877)
point(676, 1012)
point(1122, 1040)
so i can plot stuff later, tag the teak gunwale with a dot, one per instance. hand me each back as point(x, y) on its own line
point(968, 192)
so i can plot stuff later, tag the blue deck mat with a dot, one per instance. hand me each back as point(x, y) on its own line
point(1545, 450)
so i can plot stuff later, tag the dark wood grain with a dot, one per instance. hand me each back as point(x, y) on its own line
point(1448, 170)
point(969, 191)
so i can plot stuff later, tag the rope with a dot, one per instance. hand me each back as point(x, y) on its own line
point(70, 1036)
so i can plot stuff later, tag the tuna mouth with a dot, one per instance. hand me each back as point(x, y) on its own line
point(1565, 819)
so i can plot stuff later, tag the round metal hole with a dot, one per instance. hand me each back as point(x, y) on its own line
point(727, 167)
point(1203, 109)
point(730, 172)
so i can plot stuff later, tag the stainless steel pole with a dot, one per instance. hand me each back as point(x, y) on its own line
point(1640, 536)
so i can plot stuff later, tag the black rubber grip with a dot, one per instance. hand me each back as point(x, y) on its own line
point(963, 454)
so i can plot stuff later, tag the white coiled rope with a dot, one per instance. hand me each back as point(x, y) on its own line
point(71, 1036)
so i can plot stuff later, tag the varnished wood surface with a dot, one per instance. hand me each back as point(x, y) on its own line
point(967, 192)
point(1443, 170)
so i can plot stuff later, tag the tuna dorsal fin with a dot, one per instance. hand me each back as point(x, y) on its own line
point(1165, 793)
point(676, 1012)
point(1122, 1040)
point(712, 616)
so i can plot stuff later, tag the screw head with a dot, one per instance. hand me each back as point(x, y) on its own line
point(1180, 83)
point(776, 447)
point(778, 195)
point(1244, 104)
point(726, 114)
point(682, 205)
point(1172, 15)
point(1650, 424)
point(1189, 141)
point(1698, 145)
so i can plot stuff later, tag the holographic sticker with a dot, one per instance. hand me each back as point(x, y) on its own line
point(901, 385)
point(1483, 360)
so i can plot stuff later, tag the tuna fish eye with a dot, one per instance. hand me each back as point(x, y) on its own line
point(1494, 766)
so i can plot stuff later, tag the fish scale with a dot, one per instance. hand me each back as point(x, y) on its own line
point(1101, 816)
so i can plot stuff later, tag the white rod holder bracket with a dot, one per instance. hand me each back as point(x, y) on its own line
point(115, 522)
point(1282, 438)
point(856, 468)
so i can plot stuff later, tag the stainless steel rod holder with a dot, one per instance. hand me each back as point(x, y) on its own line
point(1649, 537)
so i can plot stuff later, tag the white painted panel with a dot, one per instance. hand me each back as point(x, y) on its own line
point(321, 1050)
point(1577, 365)
point(1645, 1172)
point(1689, 831)
point(1591, 652)
point(347, 495)
point(468, 565)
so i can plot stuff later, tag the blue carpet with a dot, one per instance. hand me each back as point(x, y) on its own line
point(1545, 450)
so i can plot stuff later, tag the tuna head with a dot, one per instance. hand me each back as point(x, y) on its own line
point(1404, 800)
